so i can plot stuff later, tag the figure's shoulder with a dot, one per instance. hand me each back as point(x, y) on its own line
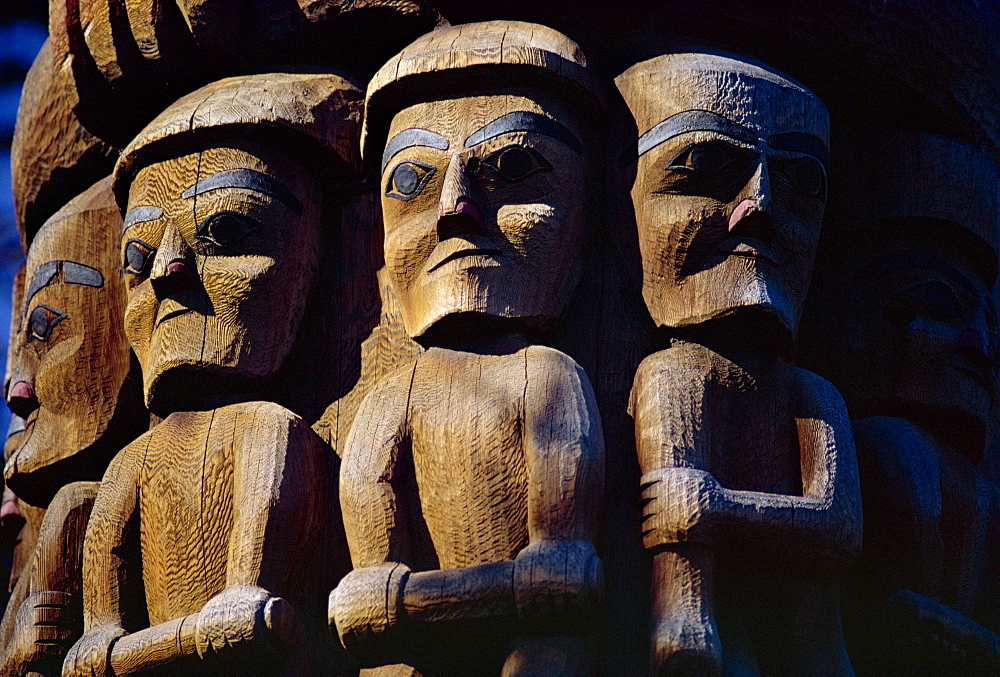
point(545, 356)
point(682, 366)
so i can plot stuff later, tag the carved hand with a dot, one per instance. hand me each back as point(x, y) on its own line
point(245, 619)
point(685, 505)
point(366, 604)
point(681, 505)
point(89, 657)
point(555, 577)
point(43, 631)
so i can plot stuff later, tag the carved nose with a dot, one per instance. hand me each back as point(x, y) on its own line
point(177, 275)
point(465, 218)
point(21, 399)
point(749, 219)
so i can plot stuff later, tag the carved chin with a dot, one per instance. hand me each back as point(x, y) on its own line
point(489, 291)
point(734, 286)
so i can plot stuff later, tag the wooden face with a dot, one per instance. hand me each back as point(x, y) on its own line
point(483, 200)
point(919, 331)
point(15, 431)
point(70, 355)
point(729, 189)
point(219, 249)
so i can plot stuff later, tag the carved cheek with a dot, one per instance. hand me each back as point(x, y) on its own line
point(67, 363)
point(538, 230)
point(408, 246)
point(140, 317)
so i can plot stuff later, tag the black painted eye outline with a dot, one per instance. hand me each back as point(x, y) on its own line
point(42, 320)
point(132, 265)
point(213, 228)
point(510, 163)
point(408, 179)
point(726, 154)
point(793, 169)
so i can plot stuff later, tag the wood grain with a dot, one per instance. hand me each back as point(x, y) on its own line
point(50, 618)
point(237, 517)
point(72, 380)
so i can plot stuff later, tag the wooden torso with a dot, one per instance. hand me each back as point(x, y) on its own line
point(465, 420)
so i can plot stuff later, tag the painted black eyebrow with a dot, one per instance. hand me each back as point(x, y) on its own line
point(523, 121)
point(800, 142)
point(141, 215)
point(693, 121)
point(249, 179)
point(415, 136)
point(73, 273)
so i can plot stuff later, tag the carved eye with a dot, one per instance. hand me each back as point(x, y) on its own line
point(708, 157)
point(408, 179)
point(515, 163)
point(42, 320)
point(932, 299)
point(712, 168)
point(139, 257)
point(226, 228)
point(807, 177)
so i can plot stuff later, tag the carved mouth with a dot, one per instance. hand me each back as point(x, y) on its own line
point(463, 254)
point(748, 248)
point(460, 248)
point(170, 315)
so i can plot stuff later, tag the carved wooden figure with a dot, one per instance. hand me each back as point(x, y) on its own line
point(228, 502)
point(747, 459)
point(472, 478)
point(903, 321)
point(50, 618)
point(71, 376)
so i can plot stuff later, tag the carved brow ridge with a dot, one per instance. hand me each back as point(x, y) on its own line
point(414, 136)
point(73, 273)
point(249, 179)
point(707, 121)
point(524, 121)
point(140, 215)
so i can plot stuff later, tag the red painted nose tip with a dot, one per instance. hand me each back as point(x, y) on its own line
point(21, 390)
point(8, 509)
point(468, 207)
point(970, 338)
point(178, 267)
point(745, 209)
point(21, 399)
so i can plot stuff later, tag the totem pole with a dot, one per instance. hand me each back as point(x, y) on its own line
point(472, 478)
point(227, 504)
point(902, 320)
point(72, 384)
point(750, 482)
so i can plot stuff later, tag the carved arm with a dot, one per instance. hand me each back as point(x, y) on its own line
point(689, 504)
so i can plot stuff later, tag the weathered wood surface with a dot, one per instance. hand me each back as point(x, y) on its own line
point(71, 380)
point(132, 59)
point(729, 193)
point(50, 618)
point(527, 254)
point(492, 502)
point(279, 204)
point(237, 517)
point(53, 158)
